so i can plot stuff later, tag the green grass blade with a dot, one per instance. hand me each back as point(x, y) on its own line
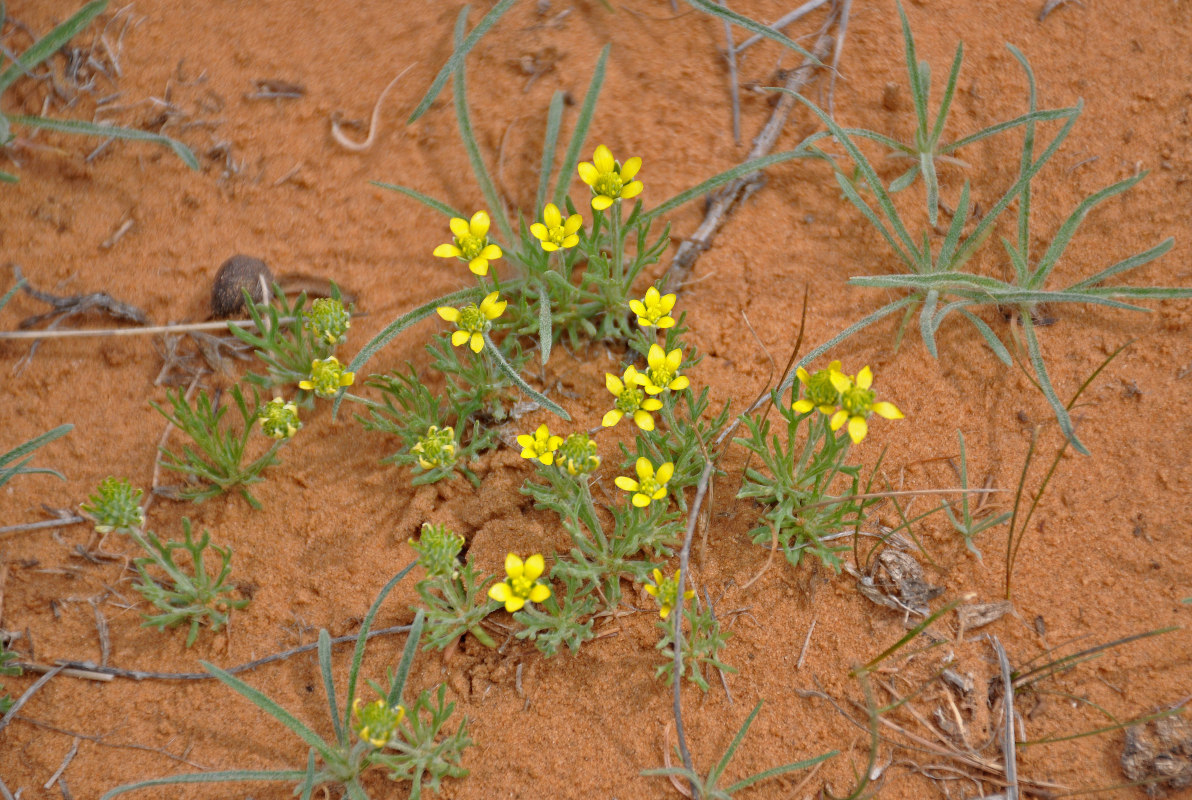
point(867, 171)
point(857, 326)
point(927, 167)
point(1087, 296)
point(545, 322)
point(307, 787)
point(977, 237)
point(20, 451)
point(108, 131)
point(919, 93)
point(464, 117)
point(752, 26)
point(407, 659)
point(526, 389)
point(1039, 116)
point(401, 323)
point(1036, 358)
point(269, 706)
point(1150, 292)
point(926, 318)
point(550, 144)
point(716, 181)
point(995, 344)
point(782, 770)
point(329, 684)
point(580, 134)
point(1122, 266)
point(458, 56)
point(1022, 270)
point(426, 200)
point(1064, 235)
point(946, 103)
point(854, 197)
point(718, 770)
point(211, 777)
point(8, 177)
point(1028, 153)
point(948, 249)
point(362, 640)
point(944, 281)
point(52, 42)
point(911, 634)
point(904, 180)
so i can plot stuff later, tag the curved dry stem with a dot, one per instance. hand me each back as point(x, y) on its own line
point(373, 124)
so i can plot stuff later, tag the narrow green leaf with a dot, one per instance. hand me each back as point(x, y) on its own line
point(458, 56)
point(729, 175)
point(268, 705)
point(927, 167)
point(545, 323)
point(526, 389)
point(854, 197)
point(718, 770)
point(9, 294)
point(948, 249)
point(752, 26)
point(210, 777)
point(1036, 358)
point(1122, 266)
point(307, 787)
point(407, 659)
point(926, 317)
point(53, 41)
point(426, 200)
point(1038, 116)
point(20, 451)
point(580, 134)
point(904, 180)
point(550, 145)
point(362, 640)
point(995, 344)
point(782, 770)
point(329, 684)
point(918, 90)
point(1028, 153)
point(8, 177)
point(946, 103)
point(108, 132)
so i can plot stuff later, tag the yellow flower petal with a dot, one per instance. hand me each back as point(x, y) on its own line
point(459, 337)
point(644, 469)
point(656, 358)
point(644, 420)
point(448, 313)
point(539, 230)
point(865, 378)
point(679, 384)
point(652, 296)
point(572, 225)
point(641, 501)
point(525, 440)
point(802, 375)
point(664, 612)
point(612, 418)
point(613, 384)
point(571, 241)
point(539, 593)
point(665, 472)
point(857, 428)
point(447, 251)
point(477, 343)
point(549, 247)
point(887, 410)
point(514, 566)
point(651, 404)
point(551, 216)
point(838, 420)
point(840, 381)
point(459, 227)
point(657, 575)
point(600, 202)
point(627, 484)
point(528, 452)
point(479, 224)
point(479, 266)
point(491, 252)
point(306, 385)
point(587, 173)
point(632, 189)
point(666, 322)
point(347, 379)
point(547, 458)
point(630, 168)
point(514, 603)
point(651, 590)
point(603, 159)
point(500, 592)
point(802, 406)
point(534, 567)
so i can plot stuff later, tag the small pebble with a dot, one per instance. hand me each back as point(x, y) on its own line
point(238, 273)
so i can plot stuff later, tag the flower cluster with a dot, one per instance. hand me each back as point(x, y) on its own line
point(471, 243)
point(328, 320)
point(438, 550)
point(115, 505)
point(577, 454)
point(845, 398)
point(666, 592)
point(279, 419)
point(436, 448)
point(327, 376)
point(521, 583)
point(376, 722)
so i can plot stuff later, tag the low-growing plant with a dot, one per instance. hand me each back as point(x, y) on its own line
point(407, 740)
point(218, 464)
point(704, 640)
point(115, 505)
point(187, 596)
point(453, 593)
point(936, 282)
point(37, 53)
point(708, 787)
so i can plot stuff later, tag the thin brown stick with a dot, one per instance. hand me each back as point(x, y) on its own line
point(1009, 750)
point(769, 558)
point(783, 21)
point(806, 645)
point(734, 90)
point(735, 192)
point(68, 672)
point(99, 739)
point(24, 698)
point(74, 749)
point(145, 331)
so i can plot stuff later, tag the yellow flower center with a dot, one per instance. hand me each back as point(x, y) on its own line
point(661, 376)
point(556, 236)
point(649, 486)
point(472, 320)
point(521, 586)
point(857, 402)
point(470, 245)
point(821, 392)
point(609, 184)
point(630, 399)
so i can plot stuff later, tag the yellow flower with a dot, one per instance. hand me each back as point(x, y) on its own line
point(326, 377)
point(556, 233)
point(436, 448)
point(821, 391)
point(630, 399)
point(650, 485)
point(541, 445)
point(471, 243)
point(376, 722)
point(663, 372)
point(666, 591)
point(472, 321)
point(655, 310)
point(279, 419)
point(520, 583)
point(857, 401)
point(577, 454)
point(609, 179)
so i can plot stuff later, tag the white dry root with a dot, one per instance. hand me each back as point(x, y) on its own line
point(360, 147)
